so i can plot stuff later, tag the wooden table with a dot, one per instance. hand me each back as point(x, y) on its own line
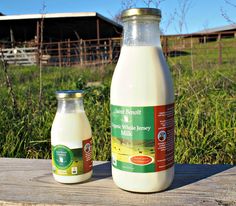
point(29, 182)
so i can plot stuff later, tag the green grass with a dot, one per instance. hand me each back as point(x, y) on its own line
point(205, 110)
point(203, 54)
point(205, 116)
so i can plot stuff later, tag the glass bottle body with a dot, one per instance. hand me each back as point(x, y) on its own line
point(141, 90)
point(71, 142)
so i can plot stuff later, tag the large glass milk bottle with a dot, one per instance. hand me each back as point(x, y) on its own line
point(142, 107)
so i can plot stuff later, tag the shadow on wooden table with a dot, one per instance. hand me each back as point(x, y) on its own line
point(186, 174)
point(102, 170)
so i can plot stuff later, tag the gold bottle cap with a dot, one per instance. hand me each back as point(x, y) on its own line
point(141, 12)
point(67, 94)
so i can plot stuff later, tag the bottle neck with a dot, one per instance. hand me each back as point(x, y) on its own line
point(70, 105)
point(141, 31)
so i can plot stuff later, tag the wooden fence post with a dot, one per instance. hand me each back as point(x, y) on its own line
point(59, 53)
point(219, 50)
point(110, 50)
point(77, 60)
point(85, 52)
point(90, 54)
point(81, 52)
point(68, 53)
point(166, 47)
point(37, 43)
point(98, 53)
point(192, 63)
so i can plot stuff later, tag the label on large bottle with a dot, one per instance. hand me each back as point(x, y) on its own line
point(70, 162)
point(142, 138)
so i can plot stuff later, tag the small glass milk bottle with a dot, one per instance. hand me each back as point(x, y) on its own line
point(71, 139)
point(142, 107)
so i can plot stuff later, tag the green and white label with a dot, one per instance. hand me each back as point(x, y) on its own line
point(142, 138)
point(129, 122)
point(70, 162)
point(63, 157)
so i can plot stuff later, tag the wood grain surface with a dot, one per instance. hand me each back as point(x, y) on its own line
point(30, 182)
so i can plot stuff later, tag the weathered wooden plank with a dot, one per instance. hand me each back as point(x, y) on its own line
point(29, 182)
point(26, 63)
point(19, 54)
point(17, 60)
point(20, 49)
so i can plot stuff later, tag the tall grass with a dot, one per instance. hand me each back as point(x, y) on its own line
point(204, 115)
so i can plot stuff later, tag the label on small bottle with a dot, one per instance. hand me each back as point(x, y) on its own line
point(70, 162)
point(142, 138)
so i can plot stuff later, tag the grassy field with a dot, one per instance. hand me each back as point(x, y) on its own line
point(205, 110)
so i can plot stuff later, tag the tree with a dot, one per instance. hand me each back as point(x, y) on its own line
point(224, 13)
point(180, 15)
point(43, 13)
point(176, 18)
point(127, 4)
point(153, 3)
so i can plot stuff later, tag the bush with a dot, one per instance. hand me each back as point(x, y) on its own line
point(204, 111)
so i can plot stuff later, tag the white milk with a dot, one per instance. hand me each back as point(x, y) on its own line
point(142, 78)
point(71, 130)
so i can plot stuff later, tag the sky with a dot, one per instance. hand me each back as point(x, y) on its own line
point(201, 14)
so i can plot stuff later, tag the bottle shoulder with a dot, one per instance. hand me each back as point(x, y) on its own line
point(142, 77)
point(70, 128)
point(145, 61)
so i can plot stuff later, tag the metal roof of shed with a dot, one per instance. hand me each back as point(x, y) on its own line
point(59, 26)
point(217, 29)
point(57, 15)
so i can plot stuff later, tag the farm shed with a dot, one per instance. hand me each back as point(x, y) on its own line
point(58, 27)
point(214, 34)
point(66, 37)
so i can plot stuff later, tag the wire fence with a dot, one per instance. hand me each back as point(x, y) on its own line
point(201, 50)
point(218, 48)
point(84, 52)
